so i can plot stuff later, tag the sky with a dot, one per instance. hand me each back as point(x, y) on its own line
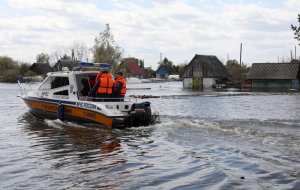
point(149, 30)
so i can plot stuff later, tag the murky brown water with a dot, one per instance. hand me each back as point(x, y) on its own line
point(213, 140)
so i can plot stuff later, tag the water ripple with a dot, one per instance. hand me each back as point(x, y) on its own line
point(206, 141)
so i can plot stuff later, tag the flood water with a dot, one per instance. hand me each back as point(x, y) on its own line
point(206, 140)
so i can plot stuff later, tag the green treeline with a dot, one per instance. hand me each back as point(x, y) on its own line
point(10, 69)
point(106, 50)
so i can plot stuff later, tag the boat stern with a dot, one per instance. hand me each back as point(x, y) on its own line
point(141, 115)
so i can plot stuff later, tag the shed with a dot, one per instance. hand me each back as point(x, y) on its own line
point(204, 71)
point(163, 72)
point(65, 63)
point(280, 76)
point(40, 68)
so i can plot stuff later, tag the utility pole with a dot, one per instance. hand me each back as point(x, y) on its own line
point(241, 48)
point(73, 55)
point(295, 53)
point(160, 56)
point(291, 55)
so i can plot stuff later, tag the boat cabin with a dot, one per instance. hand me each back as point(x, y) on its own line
point(66, 86)
point(65, 94)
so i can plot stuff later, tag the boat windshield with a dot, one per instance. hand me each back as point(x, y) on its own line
point(53, 82)
point(85, 83)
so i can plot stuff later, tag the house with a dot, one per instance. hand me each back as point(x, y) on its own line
point(65, 63)
point(279, 76)
point(40, 68)
point(131, 68)
point(204, 71)
point(163, 72)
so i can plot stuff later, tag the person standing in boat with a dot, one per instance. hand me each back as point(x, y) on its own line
point(104, 85)
point(119, 87)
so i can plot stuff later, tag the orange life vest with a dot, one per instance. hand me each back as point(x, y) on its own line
point(103, 75)
point(106, 83)
point(123, 81)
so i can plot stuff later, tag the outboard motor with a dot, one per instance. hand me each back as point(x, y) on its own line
point(141, 114)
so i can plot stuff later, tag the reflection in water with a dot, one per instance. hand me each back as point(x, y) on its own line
point(63, 134)
point(213, 154)
point(207, 140)
point(95, 157)
point(68, 146)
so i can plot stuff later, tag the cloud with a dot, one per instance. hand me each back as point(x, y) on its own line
point(178, 29)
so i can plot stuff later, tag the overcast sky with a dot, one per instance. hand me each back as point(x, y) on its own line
point(178, 29)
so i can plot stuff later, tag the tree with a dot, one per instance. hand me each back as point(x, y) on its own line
point(106, 50)
point(80, 50)
point(66, 57)
point(149, 72)
point(296, 30)
point(57, 54)
point(24, 69)
point(11, 69)
point(238, 72)
point(8, 69)
point(174, 69)
point(7, 63)
point(181, 68)
point(42, 58)
point(77, 51)
point(166, 62)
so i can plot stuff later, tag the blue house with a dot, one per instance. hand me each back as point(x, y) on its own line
point(163, 72)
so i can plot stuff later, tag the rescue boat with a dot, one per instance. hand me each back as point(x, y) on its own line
point(65, 95)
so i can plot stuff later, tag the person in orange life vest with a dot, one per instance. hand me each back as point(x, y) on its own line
point(119, 87)
point(104, 85)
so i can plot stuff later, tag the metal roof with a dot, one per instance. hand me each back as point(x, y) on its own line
point(65, 63)
point(163, 69)
point(131, 66)
point(212, 63)
point(40, 68)
point(273, 71)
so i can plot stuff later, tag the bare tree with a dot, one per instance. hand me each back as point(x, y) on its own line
point(58, 53)
point(80, 50)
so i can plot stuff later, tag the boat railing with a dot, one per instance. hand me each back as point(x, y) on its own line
point(22, 89)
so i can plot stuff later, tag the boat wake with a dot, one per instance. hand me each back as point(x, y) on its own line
point(263, 152)
point(59, 124)
point(276, 134)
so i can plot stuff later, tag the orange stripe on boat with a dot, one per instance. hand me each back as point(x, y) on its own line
point(87, 114)
point(71, 111)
